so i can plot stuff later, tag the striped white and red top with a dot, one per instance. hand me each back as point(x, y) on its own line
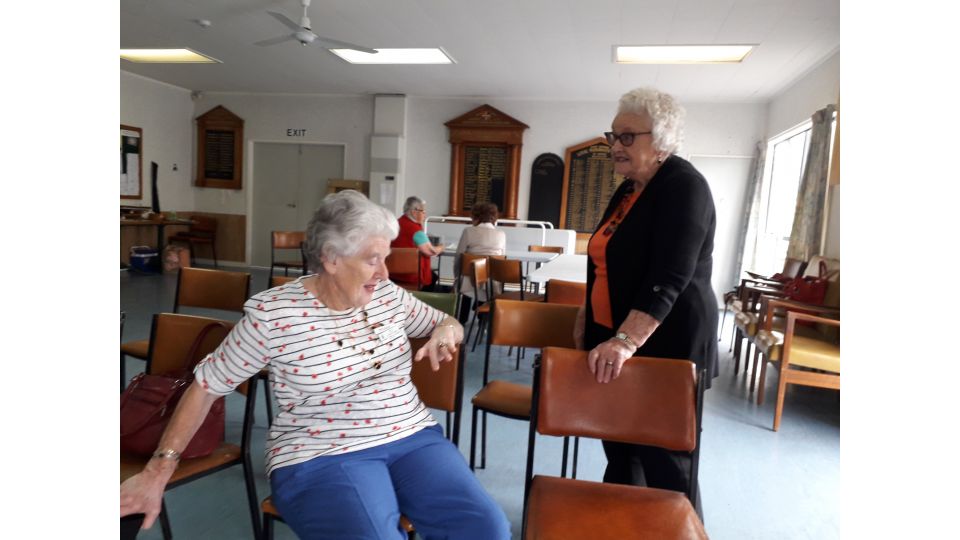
point(341, 378)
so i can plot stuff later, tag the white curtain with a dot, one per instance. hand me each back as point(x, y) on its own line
point(811, 196)
point(747, 248)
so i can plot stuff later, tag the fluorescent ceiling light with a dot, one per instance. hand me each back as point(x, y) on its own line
point(166, 56)
point(680, 54)
point(395, 56)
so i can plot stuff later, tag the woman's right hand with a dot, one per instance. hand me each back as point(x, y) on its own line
point(142, 493)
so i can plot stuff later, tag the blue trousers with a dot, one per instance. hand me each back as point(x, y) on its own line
point(361, 494)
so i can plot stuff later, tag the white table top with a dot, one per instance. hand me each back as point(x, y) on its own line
point(526, 256)
point(568, 266)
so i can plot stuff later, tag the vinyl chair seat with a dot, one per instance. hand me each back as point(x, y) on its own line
point(225, 454)
point(562, 508)
point(506, 398)
point(770, 342)
point(136, 349)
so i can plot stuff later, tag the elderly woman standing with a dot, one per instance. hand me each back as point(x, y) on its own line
point(352, 446)
point(648, 270)
point(412, 235)
point(482, 238)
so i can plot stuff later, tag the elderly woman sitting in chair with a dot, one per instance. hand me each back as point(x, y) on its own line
point(352, 446)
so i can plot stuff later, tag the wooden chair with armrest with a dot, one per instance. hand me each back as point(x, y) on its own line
point(732, 301)
point(202, 231)
point(442, 389)
point(519, 324)
point(746, 320)
point(658, 402)
point(405, 261)
point(197, 288)
point(172, 335)
point(287, 241)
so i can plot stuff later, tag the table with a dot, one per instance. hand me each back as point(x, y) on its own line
point(568, 266)
point(159, 224)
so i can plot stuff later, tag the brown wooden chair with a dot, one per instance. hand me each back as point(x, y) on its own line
point(442, 389)
point(405, 261)
point(657, 402)
point(276, 281)
point(171, 337)
point(197, 288)
point(202, 231)
point(566, 292)
point(480, 280)
point(519, 324)
point(732, 299)
point(508, 272)
point(287, 241)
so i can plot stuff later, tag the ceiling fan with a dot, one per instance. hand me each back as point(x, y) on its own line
point(303, 34)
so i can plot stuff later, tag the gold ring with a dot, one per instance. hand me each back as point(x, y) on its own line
point(609, 363)
point(442, 345)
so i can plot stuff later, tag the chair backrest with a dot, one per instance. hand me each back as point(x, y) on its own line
point(792, 267)
point(276, 281)
point(172, 335)
point(203, 224)
point(479, 275)
point(654, 400)
point(445, 302)
point(442, 389)
point(532, 324)
point(212, 289)
point(566, 292)
point(404, 261)
point(286, 239)
point(506, 271)
point(546, 249)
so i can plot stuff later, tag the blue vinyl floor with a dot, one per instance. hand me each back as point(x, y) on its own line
point(755, 483)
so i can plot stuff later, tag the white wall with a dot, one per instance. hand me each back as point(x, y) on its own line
point(813, 91)
point(164, 113)
point(712, 129)
point(346, 120)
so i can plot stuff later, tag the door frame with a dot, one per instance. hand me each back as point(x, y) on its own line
point(251, 179)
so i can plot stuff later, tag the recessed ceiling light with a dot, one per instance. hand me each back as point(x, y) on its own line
point(167, 56)
point(395, 56)
point(680, 54)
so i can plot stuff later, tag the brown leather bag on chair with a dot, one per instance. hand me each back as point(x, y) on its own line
point(148, 403)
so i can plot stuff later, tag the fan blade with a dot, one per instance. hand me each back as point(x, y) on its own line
point(337, 44)
point(274, 41)
point(286, 21)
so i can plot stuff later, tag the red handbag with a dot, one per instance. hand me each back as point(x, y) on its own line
point(148, 403)
point(809, 290)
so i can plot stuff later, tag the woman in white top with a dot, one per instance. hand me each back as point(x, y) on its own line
point(352, 446)
point(482, 238)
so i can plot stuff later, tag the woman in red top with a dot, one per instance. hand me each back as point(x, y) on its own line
point(412, 235)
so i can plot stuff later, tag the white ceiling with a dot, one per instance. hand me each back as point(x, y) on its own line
point(538, 49)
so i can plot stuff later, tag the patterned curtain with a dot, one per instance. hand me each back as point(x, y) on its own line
point(809, 214)
point(747, 248)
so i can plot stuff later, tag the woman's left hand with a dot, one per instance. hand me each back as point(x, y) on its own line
point(442, 344)
point(607, 358)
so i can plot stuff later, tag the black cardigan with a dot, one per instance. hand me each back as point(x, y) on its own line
point(659, 261)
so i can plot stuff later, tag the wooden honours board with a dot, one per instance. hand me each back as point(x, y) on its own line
point(485, 161)
point(219, 149)
point(588, 185)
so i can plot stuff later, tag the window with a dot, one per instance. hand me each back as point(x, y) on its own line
point(785, 160)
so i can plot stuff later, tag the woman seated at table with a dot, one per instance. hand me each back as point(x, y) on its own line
point(352, 446)
point(482, 238)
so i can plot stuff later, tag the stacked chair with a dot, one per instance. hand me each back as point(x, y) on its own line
point(658, 402)
point(202, 231)
point(519, 324)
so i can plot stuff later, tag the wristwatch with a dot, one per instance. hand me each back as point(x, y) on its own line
point(622, 336)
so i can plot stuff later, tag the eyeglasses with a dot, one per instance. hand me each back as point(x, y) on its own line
point(419, 210)
point(625, 138)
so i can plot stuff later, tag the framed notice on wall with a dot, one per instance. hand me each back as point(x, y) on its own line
point(219, 149)
point(131, 159)
point(588, 185)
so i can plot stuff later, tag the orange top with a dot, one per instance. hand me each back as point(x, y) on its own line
point(597, 250)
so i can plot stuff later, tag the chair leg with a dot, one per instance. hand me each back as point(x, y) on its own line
point(781, 390)
point(746, 358)
point(763, 381)
point(483, 442)
point(576, 450)
point(123, 372)
point(165, 521)
point(473, 438)
point(252, 496)
point(756, 360)
point(268, 402)
point(737, 338)
point(267, 531)
point(723, 322)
